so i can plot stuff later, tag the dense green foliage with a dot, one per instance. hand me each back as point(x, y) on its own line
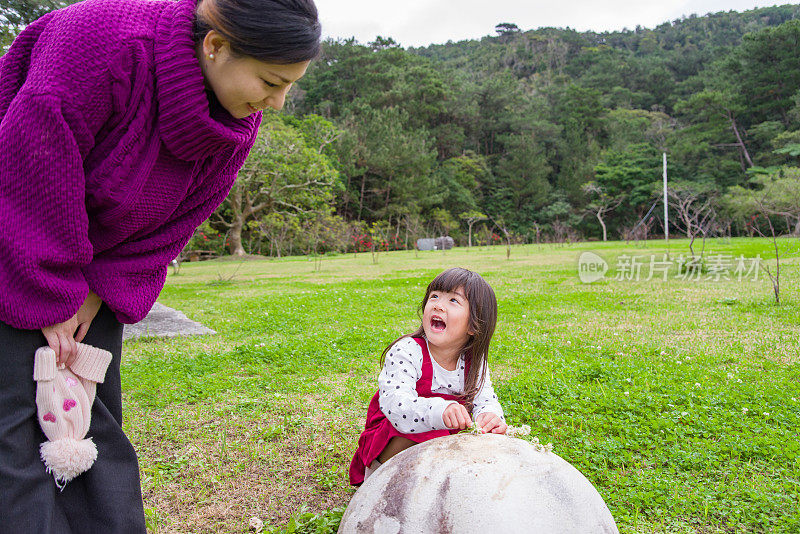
point(514, 125)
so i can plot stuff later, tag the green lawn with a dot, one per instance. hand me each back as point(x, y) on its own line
point(678, 399)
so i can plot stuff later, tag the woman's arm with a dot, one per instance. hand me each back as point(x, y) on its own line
point(42, 195)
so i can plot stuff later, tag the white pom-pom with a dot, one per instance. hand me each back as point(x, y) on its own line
point(67, 458)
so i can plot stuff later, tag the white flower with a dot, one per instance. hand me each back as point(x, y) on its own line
point(524, 315)
point(744, 410)
point(539, 447)
point(663, 352)
point(628, 380)
point(738, 380)
point(256, 524)
point(569, 342)
point(678, 362)
point(697, 384)
point(794, 400)
point(627, 393)
point(766, 414)
point(514, 431)
point(684, 414)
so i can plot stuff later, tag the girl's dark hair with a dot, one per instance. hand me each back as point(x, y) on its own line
point(482, 322)
point(276, 31)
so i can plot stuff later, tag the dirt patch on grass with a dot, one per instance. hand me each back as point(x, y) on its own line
point(209, 468)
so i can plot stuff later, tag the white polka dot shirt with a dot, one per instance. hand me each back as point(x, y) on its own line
point(408, 412)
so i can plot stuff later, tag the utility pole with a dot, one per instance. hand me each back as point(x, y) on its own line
point(666, 204)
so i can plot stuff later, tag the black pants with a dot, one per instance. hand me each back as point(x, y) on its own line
point(106, 499)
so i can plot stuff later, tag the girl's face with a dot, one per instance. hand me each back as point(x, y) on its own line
point(245, 85)
point(445, 319)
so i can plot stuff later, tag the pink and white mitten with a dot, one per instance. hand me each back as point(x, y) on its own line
point(64, 399)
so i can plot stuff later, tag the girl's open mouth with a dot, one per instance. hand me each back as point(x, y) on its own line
point(437, 324)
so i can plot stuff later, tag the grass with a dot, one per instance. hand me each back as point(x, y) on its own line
point(678, 399)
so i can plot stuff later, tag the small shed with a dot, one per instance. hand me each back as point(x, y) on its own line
point(438, 243)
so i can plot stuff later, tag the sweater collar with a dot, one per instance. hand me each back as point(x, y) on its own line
point(192, 127)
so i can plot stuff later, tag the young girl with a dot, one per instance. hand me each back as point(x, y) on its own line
point(434, 381)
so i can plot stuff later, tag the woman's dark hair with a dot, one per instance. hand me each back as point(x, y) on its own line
point(482, 322)
point(276, 31)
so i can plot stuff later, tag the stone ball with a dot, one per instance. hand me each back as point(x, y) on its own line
point(477, 484)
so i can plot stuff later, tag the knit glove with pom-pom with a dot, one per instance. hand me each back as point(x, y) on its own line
point(64, 399)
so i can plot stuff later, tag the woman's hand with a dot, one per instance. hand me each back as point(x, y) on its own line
point(62, 337)
point(490, 422)
point(456, 416)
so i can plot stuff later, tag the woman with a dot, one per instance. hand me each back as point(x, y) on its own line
point(123, 124)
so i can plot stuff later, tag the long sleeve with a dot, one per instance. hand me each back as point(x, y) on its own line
point(486, 400)
point(397, 396)
point(42, 190)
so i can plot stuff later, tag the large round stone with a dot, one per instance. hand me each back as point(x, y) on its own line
point(468, 484)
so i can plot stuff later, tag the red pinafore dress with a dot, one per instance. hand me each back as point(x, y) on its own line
point(379, 430)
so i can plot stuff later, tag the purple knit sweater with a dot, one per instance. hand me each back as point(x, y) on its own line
point(111, 154)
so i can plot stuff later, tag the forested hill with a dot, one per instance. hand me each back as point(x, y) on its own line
point(684, 45)
point(639, 68)
point(540, 130)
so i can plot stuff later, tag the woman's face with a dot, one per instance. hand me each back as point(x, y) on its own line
point(245, 85)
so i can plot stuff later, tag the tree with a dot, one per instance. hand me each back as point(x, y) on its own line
point(767, 68)
point(472, 217)
point(501, 225)
point(386, 166)
point(775, 194)
point(506, 27)
point(772, 194)
point(625, 127)
point(16, 14)
point(602, 204)
point(457, 182)
point(278, 228)
point(20, 13)
point(718, 112)
point(519, 185)
point(694, 204)
point(282, 174)
point(629, 175)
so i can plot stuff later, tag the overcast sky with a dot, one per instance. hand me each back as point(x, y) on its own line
point(422, 22)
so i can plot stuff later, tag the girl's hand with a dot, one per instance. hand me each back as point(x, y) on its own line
point(490, 422)
point(62, 337)
point(456, 416)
